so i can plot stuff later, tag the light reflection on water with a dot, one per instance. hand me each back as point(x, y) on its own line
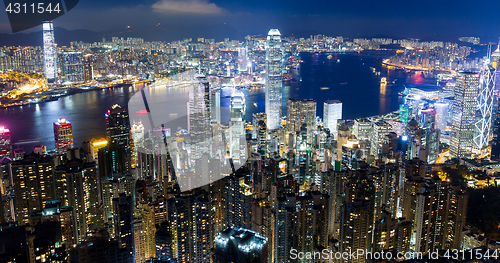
point(350, 80)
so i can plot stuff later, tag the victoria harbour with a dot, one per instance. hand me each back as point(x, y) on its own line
point(268, 148)
point(345, 76)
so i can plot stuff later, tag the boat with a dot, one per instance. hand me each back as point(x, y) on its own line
point(383, 80)
point(338, 60)
point(255, 104)
point(329, 57)
point(324, 88)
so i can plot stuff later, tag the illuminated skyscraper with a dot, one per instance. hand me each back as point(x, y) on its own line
point(189, 217)
point(379, 130)
point(199, 115)
point(332, 112)
point(441, 115)
point(123, 207)
point(63, 135)
point(301, 112)
point(118, 126)
point(118, 132)
point(301, 223)
point(215, 106)
point(49, 51)
point(88, 68)
point(33, 185)
point(464, 113)
point(486, 102)
point(260, 131)
point(274, 79)
point(5, 143)
point(357, 215)
point(237, 126)
point(76, 185)
point(430, 136)
point(73, 67)
point(242, 59)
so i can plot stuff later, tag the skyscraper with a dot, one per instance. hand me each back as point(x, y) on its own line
point(441, 115)
point(198, 115)
point(486, 103)
point(332, 112)
point(73, 67)
point(357, 215)
point(88, 68)
point(118, 126)
point(215, 106)
point(379, 130)
point(274, 79)
point(49, 51)
point(124, 216)
point(33, 185)
point(190, 227)
point(242, 59)
point(118, 132)
point(5, 143)
point(76, 185)
point(464, 113)
point(63, 135)
point(237, 126)
point(301, 112)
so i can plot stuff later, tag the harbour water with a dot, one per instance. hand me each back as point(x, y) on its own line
point(347, 77)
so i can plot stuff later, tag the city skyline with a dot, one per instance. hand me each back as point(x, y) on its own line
point(350, 19)
point(250, 150)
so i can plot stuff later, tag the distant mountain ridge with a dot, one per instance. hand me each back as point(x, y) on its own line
point(170, 33)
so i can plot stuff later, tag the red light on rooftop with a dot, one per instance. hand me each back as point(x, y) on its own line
point(142, 111)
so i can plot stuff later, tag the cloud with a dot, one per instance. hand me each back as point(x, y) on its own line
point(187, 6)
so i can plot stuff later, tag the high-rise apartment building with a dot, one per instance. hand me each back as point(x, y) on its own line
point(190, 227)
point(357, 214)
point(55, 211)
point(274, 79)
point(300, 112)
point(76, 185)
point(73, 67)
point(33, 185)
point(63, 135)
point(88, 68)
point(123, 207)
point(379, 130)
point(301, 223)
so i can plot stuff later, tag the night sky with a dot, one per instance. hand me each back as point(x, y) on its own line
point(397, 18)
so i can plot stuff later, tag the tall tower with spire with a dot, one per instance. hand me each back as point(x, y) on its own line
point(274, 79)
